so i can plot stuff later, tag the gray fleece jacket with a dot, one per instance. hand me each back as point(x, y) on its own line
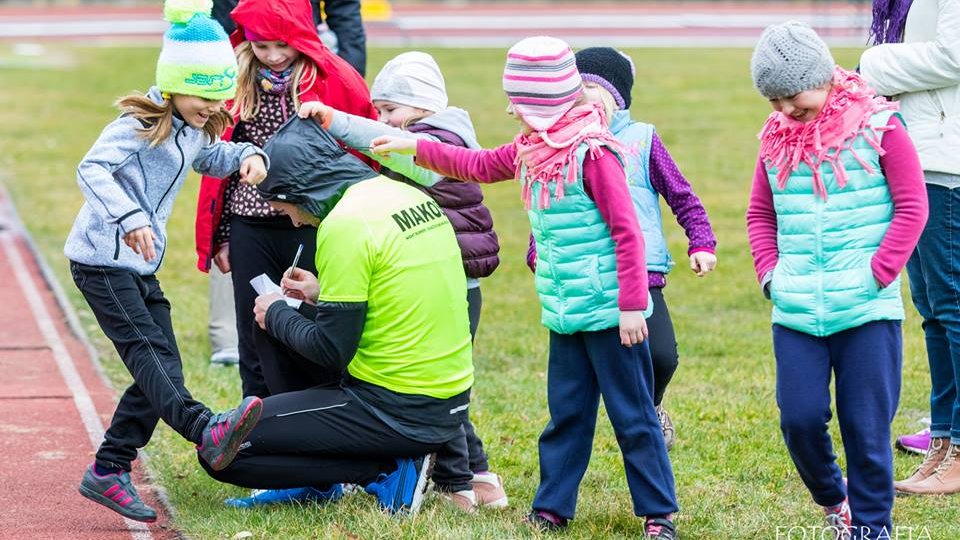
point(128, 185)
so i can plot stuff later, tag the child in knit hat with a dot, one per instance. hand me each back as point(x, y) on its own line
point(130, 178)
point(608, 76)
point(411, 98)
point(591, 278)
point(837, 206)
point(281, 64)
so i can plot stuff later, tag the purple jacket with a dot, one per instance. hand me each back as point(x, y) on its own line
point(463, 204)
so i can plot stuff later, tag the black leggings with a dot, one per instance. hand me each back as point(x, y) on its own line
point(317, 437)
point(663, 345)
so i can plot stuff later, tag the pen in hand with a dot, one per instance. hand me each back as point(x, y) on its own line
point(296, 259)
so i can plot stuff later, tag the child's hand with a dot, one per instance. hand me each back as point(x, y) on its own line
point(314, 109)
point(386, 144)
point(262, 304)
point(300, 284)
point(222, 258)
point(141, 242)
point(703, 262)
point(633, 328)
point(253, 170)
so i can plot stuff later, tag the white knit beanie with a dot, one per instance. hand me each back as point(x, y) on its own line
point(413, 79)
point(790, 58)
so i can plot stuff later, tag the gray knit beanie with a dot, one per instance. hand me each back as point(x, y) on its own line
point(790, 58)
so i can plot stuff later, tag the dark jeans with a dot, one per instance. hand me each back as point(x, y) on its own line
point(663, 345)
point(583, 367)
point(934, 271)
point(866, 361)
point(135, 316)
point(317, 437)
point(262, 246)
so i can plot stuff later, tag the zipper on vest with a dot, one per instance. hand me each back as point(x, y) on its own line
point(820, 293)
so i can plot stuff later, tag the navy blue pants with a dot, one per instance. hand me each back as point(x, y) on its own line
point(866, 361)
point(583, 367)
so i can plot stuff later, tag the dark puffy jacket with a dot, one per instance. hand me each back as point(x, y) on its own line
point(309, 168)
point(462, 202)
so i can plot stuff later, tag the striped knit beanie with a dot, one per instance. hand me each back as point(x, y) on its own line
point(541, 80)
point(197, 58)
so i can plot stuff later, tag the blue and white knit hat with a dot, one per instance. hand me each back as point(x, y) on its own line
point(541, 80)
point(197, 58)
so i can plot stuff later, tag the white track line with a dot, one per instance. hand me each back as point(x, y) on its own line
point(68, 370)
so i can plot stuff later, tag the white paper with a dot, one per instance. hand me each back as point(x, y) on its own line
point(264, 285)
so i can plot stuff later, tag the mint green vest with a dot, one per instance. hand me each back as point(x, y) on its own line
point(576, 276)
point(823, 282)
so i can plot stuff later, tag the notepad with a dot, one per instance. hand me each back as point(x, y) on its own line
point(264, 285)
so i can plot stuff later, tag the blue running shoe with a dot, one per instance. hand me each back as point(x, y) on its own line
point(403, 490)
point(266, 497)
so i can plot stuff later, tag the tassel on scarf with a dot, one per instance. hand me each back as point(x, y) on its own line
point(547, 154)
point(785, 143)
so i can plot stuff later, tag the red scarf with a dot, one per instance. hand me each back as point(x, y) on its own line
point(547, 154)
point(785, 143)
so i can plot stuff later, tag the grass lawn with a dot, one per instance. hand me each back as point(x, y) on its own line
point(734, 477)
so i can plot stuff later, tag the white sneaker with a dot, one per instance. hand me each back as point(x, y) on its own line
point(226, 357)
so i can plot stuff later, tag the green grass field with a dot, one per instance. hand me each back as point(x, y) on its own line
point(734, 477)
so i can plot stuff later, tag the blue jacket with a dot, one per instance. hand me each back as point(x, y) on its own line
point(129, 185)
point(636, 138)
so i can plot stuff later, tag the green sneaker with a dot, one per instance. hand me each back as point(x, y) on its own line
point(226, 431)
point(116, 492)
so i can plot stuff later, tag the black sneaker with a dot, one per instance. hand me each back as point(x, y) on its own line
point(660, 528)
point(546, 521)
point(116, 492)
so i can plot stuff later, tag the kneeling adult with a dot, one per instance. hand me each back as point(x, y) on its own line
point(387, 309)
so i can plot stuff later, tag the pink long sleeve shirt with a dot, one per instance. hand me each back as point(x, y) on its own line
point(604, 181)
point(900, 165)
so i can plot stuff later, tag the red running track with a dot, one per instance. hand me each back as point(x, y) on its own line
point(54, 403)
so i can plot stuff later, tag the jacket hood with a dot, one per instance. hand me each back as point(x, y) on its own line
point(309, 168)
point(291, 21)
point(155, 95)
point(456, 121)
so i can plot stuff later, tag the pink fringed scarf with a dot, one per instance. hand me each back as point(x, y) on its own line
point(785, 143)
point(547, 154)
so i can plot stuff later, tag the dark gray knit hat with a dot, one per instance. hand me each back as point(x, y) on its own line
point(610, 69)
point(790, 58)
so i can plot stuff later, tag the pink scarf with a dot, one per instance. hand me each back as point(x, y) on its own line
point(785, 142)
point(547, 154)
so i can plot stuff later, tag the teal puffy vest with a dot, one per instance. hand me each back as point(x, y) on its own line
point(636, 138)
point(576, 275)
point(823, 282)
